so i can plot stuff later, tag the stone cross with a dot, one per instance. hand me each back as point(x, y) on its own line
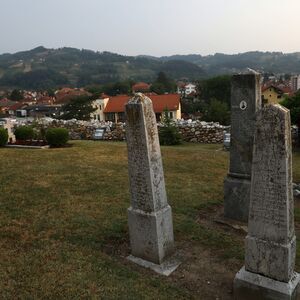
point(245, 102)
point(271, 242)
point(149, 216)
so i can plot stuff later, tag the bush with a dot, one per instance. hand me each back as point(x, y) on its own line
point(24, 133)
point(169, 133)
point(57, 136)
point(3, 137)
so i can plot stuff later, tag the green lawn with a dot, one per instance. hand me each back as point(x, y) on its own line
point(63, 224)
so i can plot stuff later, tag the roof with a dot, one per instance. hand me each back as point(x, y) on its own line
point(160, 103)
point(141, 86)
point(277, 89)
point(6, 102)
point(16, 106)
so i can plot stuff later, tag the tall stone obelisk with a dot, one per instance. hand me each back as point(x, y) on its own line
point(245, 102)
point(271, 242)
point(149, 216)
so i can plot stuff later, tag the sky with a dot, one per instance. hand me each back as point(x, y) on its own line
point(151, 27)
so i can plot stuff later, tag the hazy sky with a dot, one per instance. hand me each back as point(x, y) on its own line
point(154, 27)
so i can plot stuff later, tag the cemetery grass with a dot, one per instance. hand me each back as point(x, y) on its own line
point(63, 224)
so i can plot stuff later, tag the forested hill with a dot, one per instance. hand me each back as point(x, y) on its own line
point(45, 68)
point(266, 62)
point(42, 68)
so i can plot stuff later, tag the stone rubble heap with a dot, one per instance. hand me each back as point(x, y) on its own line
point(191, 131)
point(201, 132)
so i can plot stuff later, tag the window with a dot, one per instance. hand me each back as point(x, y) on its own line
point(121, 117)
point(110, 117)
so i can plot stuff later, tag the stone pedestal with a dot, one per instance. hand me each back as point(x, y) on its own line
point(149, 216)
point(270, 247)
point(245, 102)
point(251, 286)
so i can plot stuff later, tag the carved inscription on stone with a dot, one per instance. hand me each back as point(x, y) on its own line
point(270, 244)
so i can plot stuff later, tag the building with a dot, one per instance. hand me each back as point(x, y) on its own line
point(99, 105)
point(114, 109)
point(186, 89)
point(295, 83)
point(272, 94)
point(65, 95)
point(43, 110)
point(141, 87)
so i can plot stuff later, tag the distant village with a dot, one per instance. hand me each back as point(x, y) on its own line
point(37, 104)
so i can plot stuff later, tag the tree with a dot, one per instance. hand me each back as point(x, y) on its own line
point(163, 84)
point(168, 132)
point(215, 88)
point(79, 108)
point(293, 104)
point(120, 87)
point(217, 111)
point(16, 95)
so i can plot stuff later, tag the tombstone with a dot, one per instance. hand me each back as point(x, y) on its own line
point(245, 102)
point(271, 242)
point(149, 216)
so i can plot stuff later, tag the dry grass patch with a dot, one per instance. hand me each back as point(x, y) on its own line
point(63, 224)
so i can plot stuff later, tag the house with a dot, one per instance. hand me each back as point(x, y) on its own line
point(272, 94)
point(186, 89)
point(5, 104)
point(43, 110)
point(64, 95)
point(114, 110)
point(13, 109)
point(141, 87)
point(99, 105)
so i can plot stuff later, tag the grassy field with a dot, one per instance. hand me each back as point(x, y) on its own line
point(63, 224)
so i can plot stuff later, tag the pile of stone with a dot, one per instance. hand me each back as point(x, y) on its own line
point(116, 133)
point(201, 132)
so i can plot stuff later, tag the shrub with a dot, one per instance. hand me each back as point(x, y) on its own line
point(168, 132)
point(3, 137)
point(57, 136)
point(24, 133)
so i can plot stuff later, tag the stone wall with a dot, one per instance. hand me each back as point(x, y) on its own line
point(202, 132)
point(191, 131)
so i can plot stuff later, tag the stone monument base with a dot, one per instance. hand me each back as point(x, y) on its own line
point(165, 268)
point(249, 286)
point(236, 198)
point(151, 234)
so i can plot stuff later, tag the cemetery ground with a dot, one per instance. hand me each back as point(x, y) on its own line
point(64, 234)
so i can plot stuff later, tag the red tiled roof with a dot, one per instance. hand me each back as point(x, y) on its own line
point(160, 103)
point(16, 106)
point(141, 86)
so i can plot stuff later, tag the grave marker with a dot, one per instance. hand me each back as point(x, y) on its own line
point(271, 242)
point(245, 102)
point(149, 216)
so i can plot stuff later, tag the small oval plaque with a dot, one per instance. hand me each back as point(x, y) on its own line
point(243, 105)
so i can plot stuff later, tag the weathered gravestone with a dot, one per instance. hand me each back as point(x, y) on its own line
point(150, 216)
point(271, 242)
point(245, 102)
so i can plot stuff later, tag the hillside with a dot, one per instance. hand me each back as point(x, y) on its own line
point(42, 68)
point(45, 68)
point(266, 62)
